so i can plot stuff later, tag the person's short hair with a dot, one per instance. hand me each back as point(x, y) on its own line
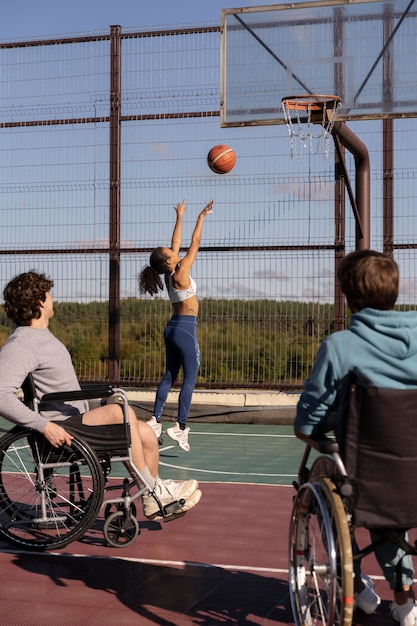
point(369, 279)
point(23, 295)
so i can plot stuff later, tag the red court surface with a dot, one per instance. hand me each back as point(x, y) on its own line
point(223, 563)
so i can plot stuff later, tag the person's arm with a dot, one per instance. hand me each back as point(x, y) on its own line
point(56, 434)
point(177, 232)
point(301, 435)
point(17, 412)
point(320, 394)
point(189, 258)
point(16, 363)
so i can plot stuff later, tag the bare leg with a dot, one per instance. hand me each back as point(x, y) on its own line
point(145, 451)
point(145, 456)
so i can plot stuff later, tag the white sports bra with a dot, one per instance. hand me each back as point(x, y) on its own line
point(179, 295)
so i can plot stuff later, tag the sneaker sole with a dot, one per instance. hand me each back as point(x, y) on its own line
point(185, 495)
point(189, 504)
point(189, 493)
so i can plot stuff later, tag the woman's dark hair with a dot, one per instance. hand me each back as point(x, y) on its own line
point(23, 294)
point(149, 278)
point(369, 279)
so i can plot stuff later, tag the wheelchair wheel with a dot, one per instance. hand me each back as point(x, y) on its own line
point(49, 496)
point(320, 557)
point(121, 529)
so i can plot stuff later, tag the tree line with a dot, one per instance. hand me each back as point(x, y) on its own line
point(260, 343)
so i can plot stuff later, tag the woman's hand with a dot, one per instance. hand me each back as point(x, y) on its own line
point(207, 209)
point(180, 208)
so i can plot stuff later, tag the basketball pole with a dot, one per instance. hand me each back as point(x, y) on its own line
point(361, 202)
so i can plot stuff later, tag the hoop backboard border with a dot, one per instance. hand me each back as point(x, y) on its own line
point(270, 113)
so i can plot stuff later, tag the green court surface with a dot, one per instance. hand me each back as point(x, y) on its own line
point(241, 453)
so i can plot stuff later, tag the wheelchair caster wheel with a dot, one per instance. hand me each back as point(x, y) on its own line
point(118, 506)
point(120, 530)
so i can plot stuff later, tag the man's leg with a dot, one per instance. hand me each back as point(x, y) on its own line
point(145, 451)
point(403, 609)
point(145, 456)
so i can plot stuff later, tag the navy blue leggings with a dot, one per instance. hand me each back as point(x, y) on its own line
point(182, 350)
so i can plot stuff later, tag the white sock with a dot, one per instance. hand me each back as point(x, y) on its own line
point(147, 477)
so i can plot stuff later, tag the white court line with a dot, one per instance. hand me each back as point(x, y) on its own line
point(210, 471)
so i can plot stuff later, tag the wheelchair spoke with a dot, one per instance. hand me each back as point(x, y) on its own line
point(321, 580)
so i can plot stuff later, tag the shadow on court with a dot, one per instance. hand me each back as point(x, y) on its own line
point(126, 592)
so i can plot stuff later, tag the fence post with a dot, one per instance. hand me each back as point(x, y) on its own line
point(114, 205)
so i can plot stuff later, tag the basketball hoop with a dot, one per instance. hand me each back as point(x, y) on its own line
point(304, 112)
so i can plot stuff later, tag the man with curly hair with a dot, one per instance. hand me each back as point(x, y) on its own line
point(33, 349)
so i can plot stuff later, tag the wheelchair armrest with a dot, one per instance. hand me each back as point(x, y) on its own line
point(324, 444)
point(87, 392)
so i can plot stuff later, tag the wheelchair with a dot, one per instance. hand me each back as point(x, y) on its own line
point(360, 484)
point(49, 497)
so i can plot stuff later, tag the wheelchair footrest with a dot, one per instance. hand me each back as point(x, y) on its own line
point(173, 507)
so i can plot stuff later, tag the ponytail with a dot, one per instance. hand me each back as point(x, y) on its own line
point(150, 281)
point(149, 278)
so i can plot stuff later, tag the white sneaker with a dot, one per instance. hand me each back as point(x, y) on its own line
point(167, 492)
point(367, 580)
point(156, 426)
point(367, 600)
point(180, 436)
point(406, 613)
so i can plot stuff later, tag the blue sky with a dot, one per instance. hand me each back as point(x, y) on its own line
point(32, 18)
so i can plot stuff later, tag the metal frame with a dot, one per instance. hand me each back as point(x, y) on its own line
point(389, 33)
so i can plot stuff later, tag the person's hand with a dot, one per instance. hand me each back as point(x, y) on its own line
point(180, 208)
point(207, 209)
point(56, 435)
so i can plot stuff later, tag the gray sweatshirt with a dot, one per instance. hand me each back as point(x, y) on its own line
point(37, 351)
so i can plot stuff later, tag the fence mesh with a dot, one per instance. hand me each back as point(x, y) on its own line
point(265, 271)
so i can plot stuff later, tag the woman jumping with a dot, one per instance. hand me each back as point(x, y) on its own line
point(180, 335)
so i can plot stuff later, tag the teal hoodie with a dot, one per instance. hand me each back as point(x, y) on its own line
point(380, 348)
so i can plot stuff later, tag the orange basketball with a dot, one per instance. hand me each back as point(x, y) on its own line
point(221, 159)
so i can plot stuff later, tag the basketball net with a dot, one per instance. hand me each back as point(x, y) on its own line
point(310, 120)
